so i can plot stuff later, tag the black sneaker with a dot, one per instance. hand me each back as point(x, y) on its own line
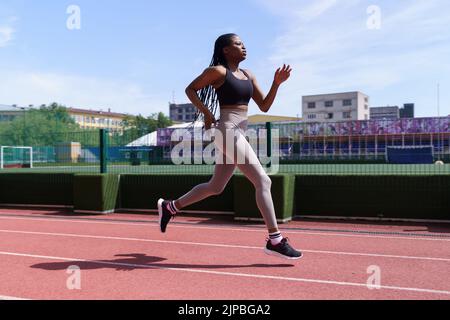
point(282, 250)
point(165, 215)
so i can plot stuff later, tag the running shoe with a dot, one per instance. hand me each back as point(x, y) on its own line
point(282, 250)
point(165, 215)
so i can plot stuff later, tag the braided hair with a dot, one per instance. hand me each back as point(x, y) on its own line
point(208, 94)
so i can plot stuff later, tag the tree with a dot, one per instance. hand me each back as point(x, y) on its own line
point(134, 127)
point(45, 126)
point(138, 126)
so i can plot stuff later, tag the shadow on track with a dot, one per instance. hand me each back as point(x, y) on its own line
point(129, 262)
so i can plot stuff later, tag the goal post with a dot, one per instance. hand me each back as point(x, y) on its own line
point(16, 157)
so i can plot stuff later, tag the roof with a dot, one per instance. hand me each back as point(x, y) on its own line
point(4, 108)
point(260, 118)
point(151, 138)
point(96, 112)
point(335, 93)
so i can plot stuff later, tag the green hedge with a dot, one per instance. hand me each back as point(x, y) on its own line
point(391, 196)
point(36, 188)
point(387, 196)
point(143, 192)
point(97, 194)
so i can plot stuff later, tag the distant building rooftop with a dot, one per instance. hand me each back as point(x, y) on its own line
point(260, 118)
point(4, 107)
point(96, 112)
point(335, 93)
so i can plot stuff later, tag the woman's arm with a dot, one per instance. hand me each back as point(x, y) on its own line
point(208, 77)
point(265, 102)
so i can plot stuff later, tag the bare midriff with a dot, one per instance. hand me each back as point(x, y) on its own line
point(241, 107)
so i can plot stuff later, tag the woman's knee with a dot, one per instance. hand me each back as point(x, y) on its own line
point(264, 182)
point(216, 188)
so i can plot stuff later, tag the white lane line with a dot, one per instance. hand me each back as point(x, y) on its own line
point(299, 232)
point(246, 275)
point(218, 245)
point(11, 298)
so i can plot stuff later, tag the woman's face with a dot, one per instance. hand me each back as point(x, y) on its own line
point(236, 50)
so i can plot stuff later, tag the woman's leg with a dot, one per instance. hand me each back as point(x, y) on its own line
point(220, 179)
point(253, 170)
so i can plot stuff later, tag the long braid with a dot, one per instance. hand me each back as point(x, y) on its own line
point(208, 95)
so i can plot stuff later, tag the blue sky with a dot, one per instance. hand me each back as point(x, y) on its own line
point(134, 57)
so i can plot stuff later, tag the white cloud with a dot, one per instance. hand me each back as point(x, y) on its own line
point(7, 31)
point(24, 88)
point(316, 9)
point(331, 49)
point(6, 35)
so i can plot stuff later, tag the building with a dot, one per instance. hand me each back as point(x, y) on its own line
point(182, 112)
point(86, 119)
point(9, 113)
point(385, 113)
point(392, 113)
point(336, 107)
point(90, 119)
point(407, 111)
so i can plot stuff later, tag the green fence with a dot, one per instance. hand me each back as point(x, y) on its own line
point(295, 152)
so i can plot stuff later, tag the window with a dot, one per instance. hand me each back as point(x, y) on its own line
point(347, 103)
point(311, 105)
point(330, 116)
point(347, 115)
point(311, 116)
point(329, 104)
point(366, 107)
point(180, 117)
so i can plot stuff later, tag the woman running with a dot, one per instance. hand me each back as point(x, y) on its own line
point(233, 88)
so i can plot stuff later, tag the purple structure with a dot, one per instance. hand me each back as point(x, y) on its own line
point(301, 130)
point(365, 128)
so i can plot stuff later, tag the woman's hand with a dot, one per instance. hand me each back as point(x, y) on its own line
point(209, 120)
point(282, 74)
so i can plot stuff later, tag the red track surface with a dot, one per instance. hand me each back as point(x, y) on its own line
point(124, 256)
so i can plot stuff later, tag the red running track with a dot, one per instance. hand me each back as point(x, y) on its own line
point(124, 256)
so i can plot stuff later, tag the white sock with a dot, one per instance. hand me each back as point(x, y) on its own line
point(172, 208)
point(275, 238)
point(175, 207)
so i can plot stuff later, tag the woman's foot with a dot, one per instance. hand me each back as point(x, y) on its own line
point(282, 250)
point(166, 213)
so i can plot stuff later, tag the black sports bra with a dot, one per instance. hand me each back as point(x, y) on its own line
point(235, 91)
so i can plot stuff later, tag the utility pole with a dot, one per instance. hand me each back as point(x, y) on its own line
point(439, 121)
point(438, 100)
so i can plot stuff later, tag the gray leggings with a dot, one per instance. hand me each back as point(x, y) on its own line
point(236, 121)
